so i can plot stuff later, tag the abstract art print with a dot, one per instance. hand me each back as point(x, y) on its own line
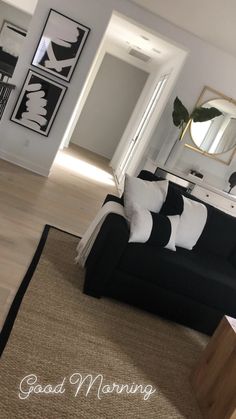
point(11, 42)
point(60, 45)
point(38, 103)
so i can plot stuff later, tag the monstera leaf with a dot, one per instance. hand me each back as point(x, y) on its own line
point(204, 114)
point(180, 113)
point(232, 181)
point(181, 117)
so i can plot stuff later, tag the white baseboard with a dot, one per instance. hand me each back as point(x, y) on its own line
point(26, 164)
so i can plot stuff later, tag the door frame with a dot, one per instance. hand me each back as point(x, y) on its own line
point(129, 151)
point(172, 67)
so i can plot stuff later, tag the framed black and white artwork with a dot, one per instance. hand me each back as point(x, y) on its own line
point(60, 45)
point(11, 42)
point(38, 103)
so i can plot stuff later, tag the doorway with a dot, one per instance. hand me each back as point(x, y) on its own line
point(148, 54)
point(109, 105)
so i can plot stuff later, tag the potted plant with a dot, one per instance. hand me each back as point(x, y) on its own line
point(182, 118)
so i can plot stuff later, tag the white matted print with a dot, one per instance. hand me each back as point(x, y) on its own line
point(38, 103)
point(60, 45)
point(11, 42)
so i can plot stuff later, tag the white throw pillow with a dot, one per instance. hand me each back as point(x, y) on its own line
point(147, 195)
point(174, 221)
point(152, 228)
point(191, 224)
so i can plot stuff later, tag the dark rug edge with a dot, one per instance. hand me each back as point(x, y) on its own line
point(11, 316)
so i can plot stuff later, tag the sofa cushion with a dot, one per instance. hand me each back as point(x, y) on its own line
point(148, 195)
point(193, 217)
point(174, 203)
point(206, 278)
point(232, 258)
point(191, 224)
point(153, 228)
point(219, 234)
point(146, 175)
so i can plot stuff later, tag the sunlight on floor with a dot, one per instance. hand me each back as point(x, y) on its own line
point(84, 169)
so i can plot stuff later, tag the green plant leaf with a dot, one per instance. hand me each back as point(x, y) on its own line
point(205, 114)
point(180, 113)
point(232, 180)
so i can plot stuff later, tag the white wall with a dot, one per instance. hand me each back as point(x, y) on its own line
point(27, 148)
point(24, 5)
point(21, 145)
point(206, 65)
point(13, 15)
point(109, 105)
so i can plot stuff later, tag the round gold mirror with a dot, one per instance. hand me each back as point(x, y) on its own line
point(217, 135)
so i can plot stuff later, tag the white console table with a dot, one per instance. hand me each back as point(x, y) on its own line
point(206, 193)
point(217, 198)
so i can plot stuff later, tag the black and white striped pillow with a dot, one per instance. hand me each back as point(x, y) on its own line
point(153, 228)
point(193, 217)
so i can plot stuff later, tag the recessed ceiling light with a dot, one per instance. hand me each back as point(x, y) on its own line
point(156, 50)
point(144, 37)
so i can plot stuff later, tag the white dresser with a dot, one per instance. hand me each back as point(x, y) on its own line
point(206, 193)
point(219, 199)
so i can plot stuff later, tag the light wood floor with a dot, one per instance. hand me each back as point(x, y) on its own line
point(67, 199)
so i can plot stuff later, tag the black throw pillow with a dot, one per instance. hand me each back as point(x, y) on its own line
point(174, 204)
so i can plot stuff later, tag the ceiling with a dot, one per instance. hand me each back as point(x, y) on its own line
point(123, 35)
point(213, 21)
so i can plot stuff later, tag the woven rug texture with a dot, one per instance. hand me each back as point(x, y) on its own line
point(61, 335)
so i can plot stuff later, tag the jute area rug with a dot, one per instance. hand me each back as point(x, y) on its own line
point(134, 364)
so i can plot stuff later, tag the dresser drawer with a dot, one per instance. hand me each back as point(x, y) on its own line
point(216, 200)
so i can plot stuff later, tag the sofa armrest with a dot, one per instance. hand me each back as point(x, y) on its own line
point(105, 254)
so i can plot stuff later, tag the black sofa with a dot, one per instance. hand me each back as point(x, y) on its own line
point(194, 288)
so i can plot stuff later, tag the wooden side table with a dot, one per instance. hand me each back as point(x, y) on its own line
point(214, 378)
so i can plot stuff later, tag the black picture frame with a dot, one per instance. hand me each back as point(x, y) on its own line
point(60, 45)
point(38, 103)
point(11, 42)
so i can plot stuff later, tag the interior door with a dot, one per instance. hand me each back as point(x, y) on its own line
point(131, 148)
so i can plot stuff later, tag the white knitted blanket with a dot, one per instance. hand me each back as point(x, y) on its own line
point(86, 243)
